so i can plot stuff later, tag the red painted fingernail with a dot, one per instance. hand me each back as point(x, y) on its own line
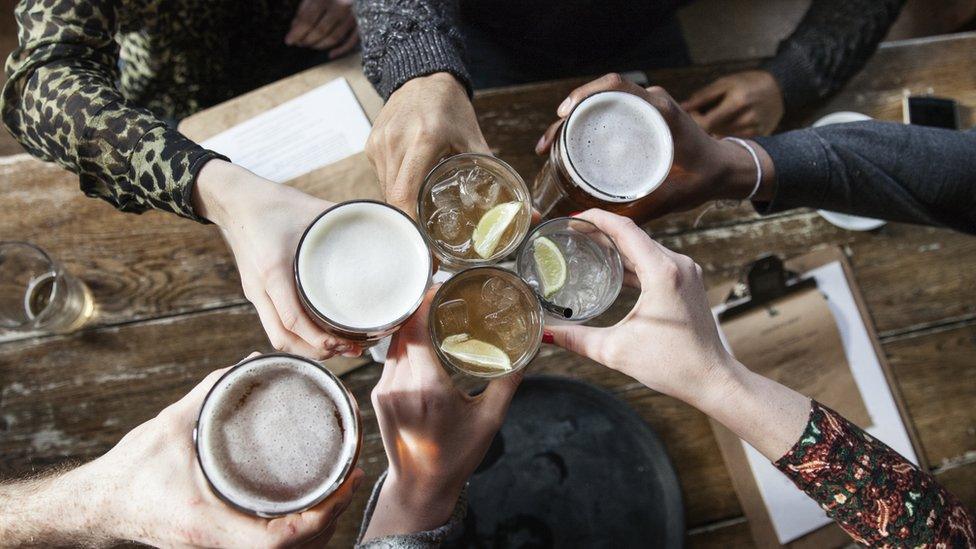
point(574, 214)
point(547, 337)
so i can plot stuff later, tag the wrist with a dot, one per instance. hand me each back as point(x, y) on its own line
point(721, 385)
point(405, 507)
point(737, 172)
point(217, 192)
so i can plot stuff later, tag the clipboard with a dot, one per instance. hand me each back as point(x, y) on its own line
point(768, 283)
point(346, 179)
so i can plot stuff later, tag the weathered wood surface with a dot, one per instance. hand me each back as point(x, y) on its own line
point(171, 309)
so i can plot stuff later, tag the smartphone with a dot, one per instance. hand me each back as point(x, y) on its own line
point(926, 110)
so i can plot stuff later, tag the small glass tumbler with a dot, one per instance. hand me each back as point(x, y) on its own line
point(38, 294)
point(593, 269)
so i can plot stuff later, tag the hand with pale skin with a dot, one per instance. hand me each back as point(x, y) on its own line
point(669, 342)
point(150, 489)
point(262, 222)
point(426, 119)
point(703, 168)
point(324, 25)
point(744, 104)
point(434, 434)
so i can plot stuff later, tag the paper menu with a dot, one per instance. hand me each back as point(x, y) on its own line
point(791, 513)
point(315, 129)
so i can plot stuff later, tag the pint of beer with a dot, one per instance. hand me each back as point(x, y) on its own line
point(613, 150)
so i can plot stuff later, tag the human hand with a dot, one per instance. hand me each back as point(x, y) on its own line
point(434, 434)
point(262, 223)
point(157, 494)
point(703, 168)
point(668, 341)
point(324, 25)
point(424, 120)
point(744, 104)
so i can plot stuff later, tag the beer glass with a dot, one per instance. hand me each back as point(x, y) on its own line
point(362, 268)
point(612, 151)
point(277, 434)
point(37, 293)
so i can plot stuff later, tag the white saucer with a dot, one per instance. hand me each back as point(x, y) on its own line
point(842, 220)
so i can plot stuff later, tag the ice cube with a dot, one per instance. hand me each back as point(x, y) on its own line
point(511, 328)
point(445, 224)
point(498, 295)
point(453, 316)
point(446, 193)
point(478, 189)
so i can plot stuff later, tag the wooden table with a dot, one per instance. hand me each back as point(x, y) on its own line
point(171, 307)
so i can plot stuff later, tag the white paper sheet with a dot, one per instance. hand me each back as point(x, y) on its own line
point(313, 130)
point(793, 514)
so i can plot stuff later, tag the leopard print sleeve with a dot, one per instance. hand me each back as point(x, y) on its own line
point(876, 495)
point(62, 104)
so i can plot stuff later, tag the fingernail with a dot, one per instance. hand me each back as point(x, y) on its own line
point(538, 146)
point(574, 214)
point(547, 337)
point(564, 107)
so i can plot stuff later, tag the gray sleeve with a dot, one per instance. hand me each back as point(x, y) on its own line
point(404, 39)
point(898, 172)
point(417, 540)
point(833, 41)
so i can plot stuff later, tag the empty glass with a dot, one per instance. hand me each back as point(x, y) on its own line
point(37, 294)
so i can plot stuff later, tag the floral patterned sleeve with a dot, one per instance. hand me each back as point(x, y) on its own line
point(62, 104)
point(876, 495)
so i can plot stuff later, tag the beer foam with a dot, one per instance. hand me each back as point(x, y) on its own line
point(364, 265)
point(275, 435)
point(617, 145)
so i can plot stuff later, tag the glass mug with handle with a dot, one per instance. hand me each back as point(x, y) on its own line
point(612, 151)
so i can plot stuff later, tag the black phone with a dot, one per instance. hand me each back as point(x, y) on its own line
point(926, 110)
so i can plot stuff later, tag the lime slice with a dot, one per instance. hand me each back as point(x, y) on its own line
point(550, 264)
point(476, 352)
point(492, 226)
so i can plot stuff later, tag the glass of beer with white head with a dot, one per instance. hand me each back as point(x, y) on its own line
point(612, 151)
point(277, 434)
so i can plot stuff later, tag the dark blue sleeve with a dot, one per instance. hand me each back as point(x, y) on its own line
point(885, 170)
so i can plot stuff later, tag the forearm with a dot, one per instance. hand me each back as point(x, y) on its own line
point(762, 412)
point(404, 39)
point(832, 42)
point(891, 171)
point(402, 509)
point(62, 105)
point(64, 508)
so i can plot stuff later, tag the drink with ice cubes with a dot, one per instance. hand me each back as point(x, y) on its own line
point(573, 266)
point(473, 209)
point(486, 322)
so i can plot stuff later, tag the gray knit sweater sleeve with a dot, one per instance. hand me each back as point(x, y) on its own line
point(832, 42)
point(429, 539)
point(404, 39)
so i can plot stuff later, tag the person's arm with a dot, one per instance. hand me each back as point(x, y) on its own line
point(405, 39)
point(412, 53)
point(61, 103)
point(897, 172)
point(832, 42)
point(434, 435)
point(149, 489)
point(872, 492)
point(891, 171)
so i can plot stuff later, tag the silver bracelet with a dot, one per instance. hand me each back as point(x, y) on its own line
point(755, 158)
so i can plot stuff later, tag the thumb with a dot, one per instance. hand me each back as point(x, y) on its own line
point(582, 340)
point(499, 392)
